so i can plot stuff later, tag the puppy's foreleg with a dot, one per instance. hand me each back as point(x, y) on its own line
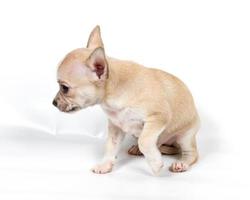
point(148, 142)
point(115, 137)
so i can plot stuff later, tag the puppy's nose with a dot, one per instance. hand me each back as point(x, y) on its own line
point(54, 103)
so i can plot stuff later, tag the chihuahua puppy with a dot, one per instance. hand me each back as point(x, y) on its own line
point(152, 105)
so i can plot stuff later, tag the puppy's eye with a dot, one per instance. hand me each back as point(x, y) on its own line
point(64, 89)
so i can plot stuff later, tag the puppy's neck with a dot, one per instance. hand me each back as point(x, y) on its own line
point(112, 83)
point(115, 79)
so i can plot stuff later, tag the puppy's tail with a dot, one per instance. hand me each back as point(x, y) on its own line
point(169, 150)
point(164, 149)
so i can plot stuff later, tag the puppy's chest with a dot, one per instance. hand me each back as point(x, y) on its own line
point(128, 119)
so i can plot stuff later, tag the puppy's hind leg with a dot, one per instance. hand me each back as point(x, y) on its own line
point(189, 153)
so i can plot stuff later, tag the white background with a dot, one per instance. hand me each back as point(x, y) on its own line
point(45, 154)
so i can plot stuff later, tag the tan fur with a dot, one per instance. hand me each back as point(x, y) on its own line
point(150, 104)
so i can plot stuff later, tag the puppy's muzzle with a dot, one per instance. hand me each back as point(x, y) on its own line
point(64, 107)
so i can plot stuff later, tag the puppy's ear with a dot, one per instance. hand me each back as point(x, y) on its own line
point(95, 39)
point(98, 64)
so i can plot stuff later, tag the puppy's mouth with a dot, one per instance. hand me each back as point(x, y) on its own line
point(69, 108)
point(73, 109)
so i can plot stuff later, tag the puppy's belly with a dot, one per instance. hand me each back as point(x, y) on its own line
point(130, 126)
point(127, 120)
point(134, 128)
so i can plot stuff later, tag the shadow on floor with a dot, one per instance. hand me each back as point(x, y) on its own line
point(208, 138)
point(27, 139)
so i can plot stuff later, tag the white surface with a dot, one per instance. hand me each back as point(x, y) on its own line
point(45, 154)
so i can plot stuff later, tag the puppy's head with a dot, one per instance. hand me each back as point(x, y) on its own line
point(82, 76)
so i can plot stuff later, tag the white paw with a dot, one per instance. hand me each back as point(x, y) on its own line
point(179, 167)
point(103, 168)
point(156, 168)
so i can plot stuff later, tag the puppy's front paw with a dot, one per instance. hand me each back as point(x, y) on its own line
point(179, 167)
point(156, 168)
point(103, 168)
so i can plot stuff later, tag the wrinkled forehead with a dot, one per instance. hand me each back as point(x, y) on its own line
point(72, 69)
point(71, 74)
point(80, 54)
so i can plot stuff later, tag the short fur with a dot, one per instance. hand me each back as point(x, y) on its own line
point(153, 105)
